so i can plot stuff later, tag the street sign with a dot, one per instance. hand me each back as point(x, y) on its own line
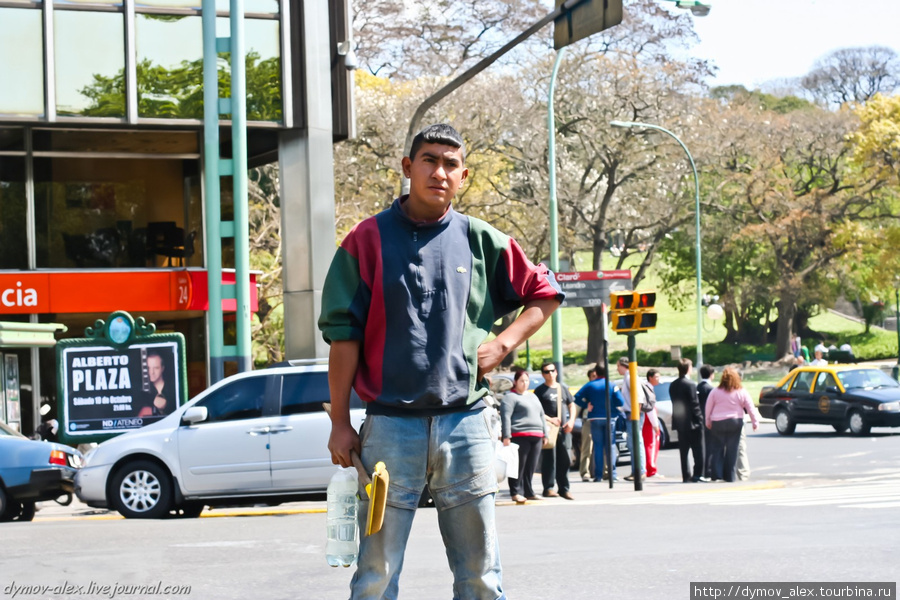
point(585, 18)
point(592, 288)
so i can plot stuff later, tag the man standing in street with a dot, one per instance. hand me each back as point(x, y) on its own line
point(555, 461)
point(703, 390)
point(592, 396)
point(586, 460)
point(622, 368)
point(687, 421)
point(407, 304)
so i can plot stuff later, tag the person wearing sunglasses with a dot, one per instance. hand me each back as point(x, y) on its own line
point(557, 402)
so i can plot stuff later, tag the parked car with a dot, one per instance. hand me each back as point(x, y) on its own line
point(32, 471)
point(668, 435)
point(254, 437)
point(846, 397)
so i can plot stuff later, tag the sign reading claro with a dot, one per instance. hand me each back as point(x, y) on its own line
point(19, 296)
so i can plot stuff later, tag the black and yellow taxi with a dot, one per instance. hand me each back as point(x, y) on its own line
point(853, 397)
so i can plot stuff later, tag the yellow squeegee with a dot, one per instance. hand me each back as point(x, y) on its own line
point(376, 488)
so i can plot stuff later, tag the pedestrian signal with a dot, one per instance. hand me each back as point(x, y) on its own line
point(632, 311)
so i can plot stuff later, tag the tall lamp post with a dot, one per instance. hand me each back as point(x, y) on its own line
point(635, 124)
point(556, 317)
point(896, 370)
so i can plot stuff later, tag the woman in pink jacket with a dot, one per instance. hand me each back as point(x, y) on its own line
point(725, 409)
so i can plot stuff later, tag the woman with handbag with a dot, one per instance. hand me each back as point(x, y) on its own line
point(522, 419)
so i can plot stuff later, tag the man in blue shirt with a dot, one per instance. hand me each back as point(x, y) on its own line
point(592, 396)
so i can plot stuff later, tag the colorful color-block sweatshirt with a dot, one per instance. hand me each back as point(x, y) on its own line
point(422, 297)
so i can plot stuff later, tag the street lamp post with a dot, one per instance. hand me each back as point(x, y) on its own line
point(556, 317)
point(635, 124)
point(896, 369)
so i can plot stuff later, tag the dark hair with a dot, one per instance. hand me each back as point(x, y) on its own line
point(706, 371)
point(440, 133)
point(684, 366)
point(549, 363)
point(730, 380)
point(600, 371)
point(517, 372)
point(651, 373)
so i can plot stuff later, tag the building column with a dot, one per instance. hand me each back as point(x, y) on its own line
point(306, 161)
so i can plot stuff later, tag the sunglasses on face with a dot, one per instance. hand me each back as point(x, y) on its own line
point(548, 371)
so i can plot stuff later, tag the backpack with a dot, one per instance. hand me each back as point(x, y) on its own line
point(650, 395)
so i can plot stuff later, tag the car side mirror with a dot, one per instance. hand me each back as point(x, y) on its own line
point(194, 415)
point(833, 389)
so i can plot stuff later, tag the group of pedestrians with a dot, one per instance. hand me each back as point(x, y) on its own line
point(710, 424)
point(708, 419)
point(541, 425)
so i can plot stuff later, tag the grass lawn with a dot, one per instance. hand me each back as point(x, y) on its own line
point(678, 327)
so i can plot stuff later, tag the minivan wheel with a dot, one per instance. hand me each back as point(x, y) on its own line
point(784, 423)
point(142, 490)
point(857, 424)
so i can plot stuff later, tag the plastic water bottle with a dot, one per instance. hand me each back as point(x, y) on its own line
point(342, 546)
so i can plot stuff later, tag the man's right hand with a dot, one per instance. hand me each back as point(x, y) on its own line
point(343, 439)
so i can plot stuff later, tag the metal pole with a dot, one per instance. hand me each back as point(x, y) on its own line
point(213, 254)
point(636, 458)
point(483, 64)
point(556, 317)
point(896, 369)
point(239, 186)
point(628, 124)
point(607, 452)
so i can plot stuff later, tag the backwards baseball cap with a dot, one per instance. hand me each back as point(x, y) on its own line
point(623, 361)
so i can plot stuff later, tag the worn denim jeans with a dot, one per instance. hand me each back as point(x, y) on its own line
point(453, 455)
point(598, 434)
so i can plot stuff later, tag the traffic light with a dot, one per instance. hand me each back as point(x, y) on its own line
point(632, 311)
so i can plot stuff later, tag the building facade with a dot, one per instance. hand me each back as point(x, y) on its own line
point(102, 200)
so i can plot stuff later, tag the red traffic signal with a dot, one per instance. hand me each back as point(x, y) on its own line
point(632, 311)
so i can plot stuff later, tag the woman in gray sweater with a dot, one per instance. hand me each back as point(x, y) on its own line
point(522, 418)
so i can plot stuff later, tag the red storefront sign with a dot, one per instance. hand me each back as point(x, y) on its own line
point(107, 291)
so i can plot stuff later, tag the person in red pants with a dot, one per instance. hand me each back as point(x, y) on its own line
point(650, 431)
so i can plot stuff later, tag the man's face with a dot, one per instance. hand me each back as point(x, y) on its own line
point(653, 379)
point(154, 368)
point(435, 175)
point(621, 369)
point(549, 373)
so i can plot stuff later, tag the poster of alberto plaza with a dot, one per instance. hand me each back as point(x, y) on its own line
point(110, 390)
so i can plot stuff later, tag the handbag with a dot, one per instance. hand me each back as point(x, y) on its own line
point(553, 434)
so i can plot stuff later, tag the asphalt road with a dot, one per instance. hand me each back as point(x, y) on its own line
point(819, 507)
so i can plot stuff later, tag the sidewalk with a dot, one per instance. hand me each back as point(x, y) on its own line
point(587, 492)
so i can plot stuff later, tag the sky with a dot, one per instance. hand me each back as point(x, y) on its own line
point(754, 41)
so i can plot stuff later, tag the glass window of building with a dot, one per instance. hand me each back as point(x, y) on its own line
point(13, 223)
point(265, 7)
point(116, 212)
point(263, 70)
point(169, 66)
point(21, 62)
point(90, 68)
point(263, 43)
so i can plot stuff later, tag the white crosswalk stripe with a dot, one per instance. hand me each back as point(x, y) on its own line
point(868, 494)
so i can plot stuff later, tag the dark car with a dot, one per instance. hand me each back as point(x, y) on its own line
point(32, 471)
point(846, 397)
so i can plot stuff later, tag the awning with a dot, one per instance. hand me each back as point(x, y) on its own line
point(29, 335)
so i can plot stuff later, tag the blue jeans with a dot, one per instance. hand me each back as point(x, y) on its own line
point(630, 439)
point(453, 455)
point(598, 434)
